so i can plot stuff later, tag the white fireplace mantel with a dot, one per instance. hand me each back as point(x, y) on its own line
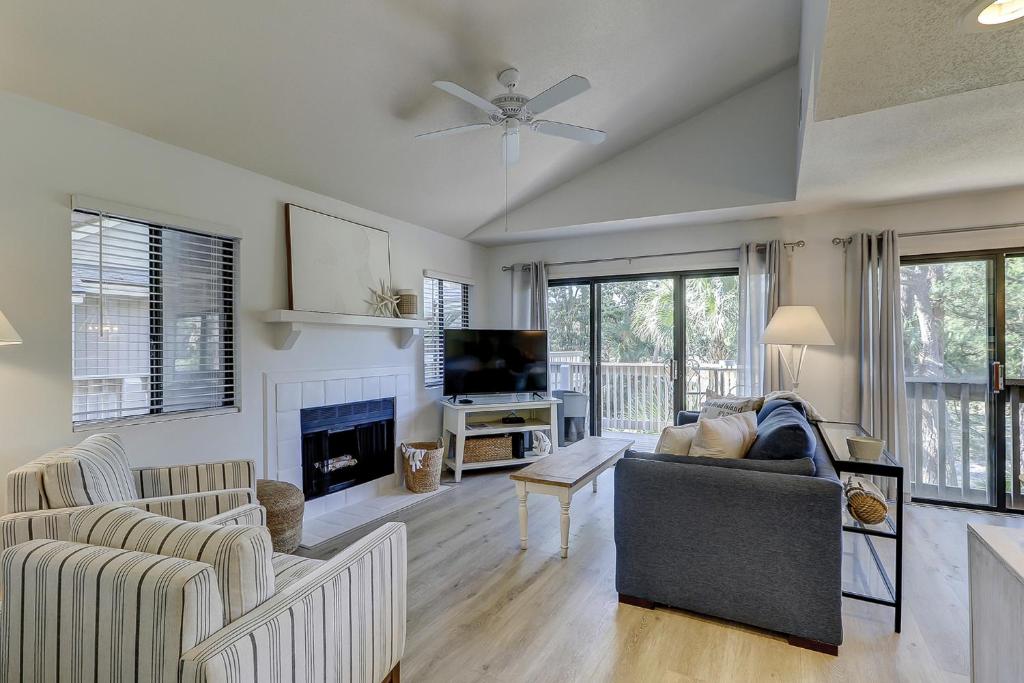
point(290, 324)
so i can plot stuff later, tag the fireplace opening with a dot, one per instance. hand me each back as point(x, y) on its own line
point(347, 444)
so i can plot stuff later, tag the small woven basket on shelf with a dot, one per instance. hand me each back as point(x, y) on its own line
point(427, 476)
point(487, 448)
point(864, 501)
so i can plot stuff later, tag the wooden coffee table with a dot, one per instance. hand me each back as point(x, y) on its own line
point(564, 473)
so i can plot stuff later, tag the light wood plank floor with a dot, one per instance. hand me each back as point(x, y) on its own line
point(482, 610)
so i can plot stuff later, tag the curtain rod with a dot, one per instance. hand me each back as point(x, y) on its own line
point(837, 241)
point(760, 247)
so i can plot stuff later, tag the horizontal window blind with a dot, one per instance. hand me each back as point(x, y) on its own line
point(153, 319)
point(446, 307)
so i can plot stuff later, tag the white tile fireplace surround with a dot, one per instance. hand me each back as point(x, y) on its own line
point(286, 393)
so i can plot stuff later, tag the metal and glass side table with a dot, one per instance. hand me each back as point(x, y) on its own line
point(834, 434)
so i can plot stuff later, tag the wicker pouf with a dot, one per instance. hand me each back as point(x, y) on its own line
point(285, 505)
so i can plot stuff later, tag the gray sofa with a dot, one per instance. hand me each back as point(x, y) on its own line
point(744, 540)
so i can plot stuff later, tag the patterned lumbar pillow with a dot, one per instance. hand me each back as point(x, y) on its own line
point(725, 437)
point(730, 405)
point(676, 440)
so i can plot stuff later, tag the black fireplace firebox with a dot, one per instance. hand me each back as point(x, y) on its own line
point(347, 444)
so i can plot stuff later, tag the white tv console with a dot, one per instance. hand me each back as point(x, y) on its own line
point(483, 417)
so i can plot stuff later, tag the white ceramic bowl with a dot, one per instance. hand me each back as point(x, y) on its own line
point(864, 447)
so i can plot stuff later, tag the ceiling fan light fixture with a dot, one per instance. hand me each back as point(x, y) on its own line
point(988, 14)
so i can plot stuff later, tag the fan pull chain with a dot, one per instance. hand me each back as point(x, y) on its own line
point(506, 198)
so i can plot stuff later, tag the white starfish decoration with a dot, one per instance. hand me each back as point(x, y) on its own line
point(385, 301)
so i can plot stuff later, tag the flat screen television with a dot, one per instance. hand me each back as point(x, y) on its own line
point(495, 361)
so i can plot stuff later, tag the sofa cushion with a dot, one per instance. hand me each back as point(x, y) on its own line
point(730, 405)
point(95, 471)
point(676, 440)
point(241, 556)
point(784, 435)
point(798, 466)
point(725, 437)
point(770, 407)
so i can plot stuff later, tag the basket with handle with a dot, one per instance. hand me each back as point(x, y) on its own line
point(864, 501)
point(421, 463)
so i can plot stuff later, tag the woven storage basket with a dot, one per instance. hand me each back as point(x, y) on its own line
point(428, 477)
point(864, 501)
point(487, 448)
point(285, 506)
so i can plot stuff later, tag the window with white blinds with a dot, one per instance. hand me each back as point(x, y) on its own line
point(153, 319)
point(446, 307)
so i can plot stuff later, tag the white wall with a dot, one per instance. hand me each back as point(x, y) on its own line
point(46, 154)
point(816, 271)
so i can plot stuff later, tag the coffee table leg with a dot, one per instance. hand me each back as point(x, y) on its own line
point(521, 492)
point(565, 499)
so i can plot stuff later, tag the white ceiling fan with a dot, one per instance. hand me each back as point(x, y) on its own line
point(511, 110)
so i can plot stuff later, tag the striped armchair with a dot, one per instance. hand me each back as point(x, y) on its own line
point(133, 596)
point(43, 494)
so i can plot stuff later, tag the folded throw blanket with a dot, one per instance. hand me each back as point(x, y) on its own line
point(812, 413)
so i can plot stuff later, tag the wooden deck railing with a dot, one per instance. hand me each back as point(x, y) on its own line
point(638, 396)
point(948, 423)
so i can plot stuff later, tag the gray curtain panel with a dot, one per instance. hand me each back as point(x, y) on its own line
point(874, 339)
point(530, 296)
point(760, 369)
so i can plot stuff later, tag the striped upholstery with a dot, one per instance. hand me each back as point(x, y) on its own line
point(196, 507)
point(94, 471)
point(254, 514)
point(290, 568)
point(19, 527)
point(240, 555)
point(343, 621)
point(174, 480)
point(83, 613)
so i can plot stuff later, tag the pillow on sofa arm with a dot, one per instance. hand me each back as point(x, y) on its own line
point(785, 434)
point(776, 403)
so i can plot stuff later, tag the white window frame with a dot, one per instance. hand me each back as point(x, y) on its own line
point(433, 336)
point(86, 204)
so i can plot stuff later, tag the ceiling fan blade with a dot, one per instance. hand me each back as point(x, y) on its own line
point(510, 147)
point(558, 93)
point(569, 131)
point(467, 96)
point(452, 131)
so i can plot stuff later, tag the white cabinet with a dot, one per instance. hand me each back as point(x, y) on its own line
point(462, 421)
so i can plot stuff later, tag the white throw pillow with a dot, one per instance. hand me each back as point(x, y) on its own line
point(730, 405)
point(725, 437)
point(676, 440)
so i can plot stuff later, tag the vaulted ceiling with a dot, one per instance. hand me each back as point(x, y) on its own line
point(328, 95)
point(714, 110)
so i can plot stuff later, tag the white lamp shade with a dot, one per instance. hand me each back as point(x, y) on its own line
point(8, 335)
point(797, 325)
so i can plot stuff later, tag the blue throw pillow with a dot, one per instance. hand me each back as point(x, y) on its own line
point(776, 403)
point(785, 434)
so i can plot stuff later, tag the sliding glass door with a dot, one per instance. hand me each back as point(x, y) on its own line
point(637, 343)
point(964, 359)
point(949, 348)
point(641, 348)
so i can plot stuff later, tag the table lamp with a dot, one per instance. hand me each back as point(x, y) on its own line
point(8, 335)
point(796, 326)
